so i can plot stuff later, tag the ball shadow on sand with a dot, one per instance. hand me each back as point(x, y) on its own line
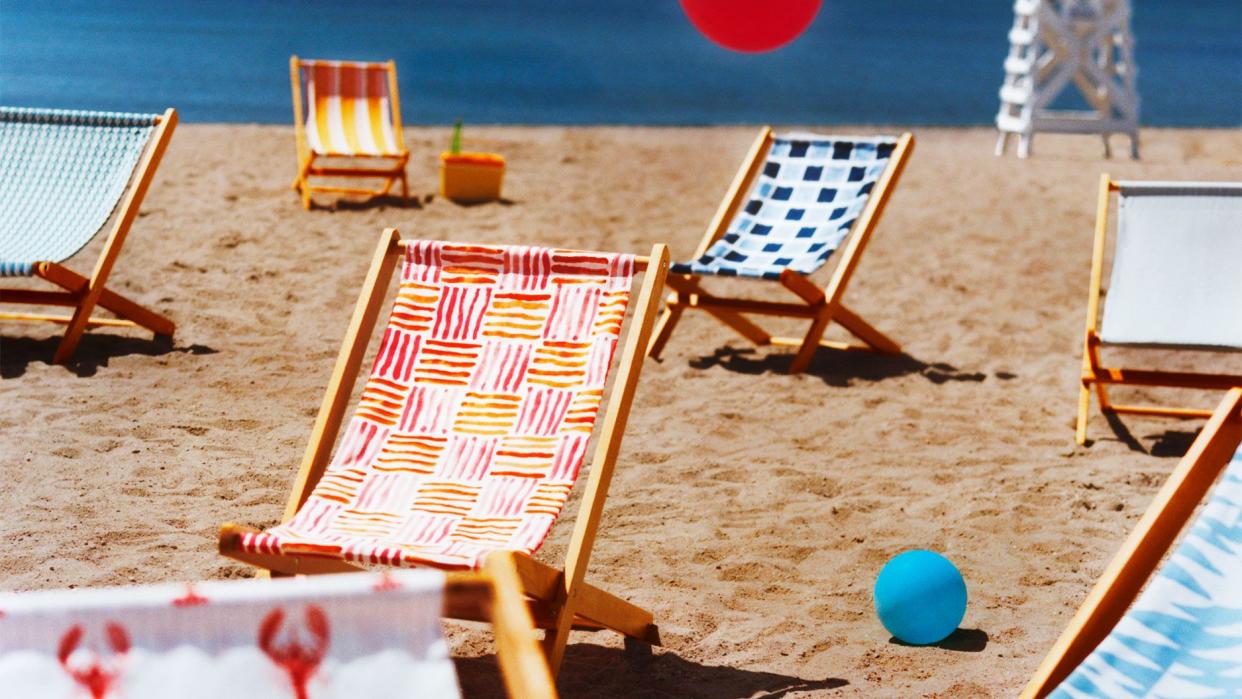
point(590, 670)
point(961, 640)
point(94, 352)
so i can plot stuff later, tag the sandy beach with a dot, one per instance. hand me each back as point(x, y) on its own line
point(751, 510)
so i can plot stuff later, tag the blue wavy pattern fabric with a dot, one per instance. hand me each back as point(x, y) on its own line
point(802, 205)
point(1183, 636)
point(62, 173)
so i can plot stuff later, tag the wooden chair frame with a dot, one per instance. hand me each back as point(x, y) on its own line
point(1146, 546)
point(561, 599)
point(390, 168)
point(495, 595)
point(821, 306)
point(82, 293)
point(1095, 374)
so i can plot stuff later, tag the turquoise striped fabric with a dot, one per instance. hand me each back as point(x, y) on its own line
point(62, 174)
point(1183, 636)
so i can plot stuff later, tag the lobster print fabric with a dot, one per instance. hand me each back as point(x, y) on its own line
point(353, 635)
point(472, 428)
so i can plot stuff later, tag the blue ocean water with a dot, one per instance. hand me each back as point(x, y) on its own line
point(584, 61)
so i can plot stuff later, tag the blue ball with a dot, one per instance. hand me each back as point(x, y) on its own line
point(920, 597)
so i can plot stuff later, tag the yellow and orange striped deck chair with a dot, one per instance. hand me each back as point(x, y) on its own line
point(473, 426)
point(347, 114)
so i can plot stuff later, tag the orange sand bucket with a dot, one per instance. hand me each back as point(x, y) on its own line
point(471, 177)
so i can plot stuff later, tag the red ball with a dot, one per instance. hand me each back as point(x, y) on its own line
point(751, 25)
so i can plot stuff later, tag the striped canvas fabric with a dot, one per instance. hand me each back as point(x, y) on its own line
point(327, 637)
point(1183, 636)
point(348, 109)
point(62, 174)
point(470, 432)
point(801, 206)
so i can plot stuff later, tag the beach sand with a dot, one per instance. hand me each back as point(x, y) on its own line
point(751, 510)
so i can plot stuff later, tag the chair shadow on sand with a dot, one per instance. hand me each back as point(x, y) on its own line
point(95, 351)
point(1170, 443)
point(838, 369)
point(393, 201)
point(381, 201)
point(590, 670)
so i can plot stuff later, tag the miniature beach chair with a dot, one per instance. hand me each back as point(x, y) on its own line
point(348, 114)
point(338, 636)
point(803, 195)
point(469, 435)
point(1183, 635)
point(1175, 285)
point(63, 175)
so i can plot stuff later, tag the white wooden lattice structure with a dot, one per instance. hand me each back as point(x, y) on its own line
point(1054, 43)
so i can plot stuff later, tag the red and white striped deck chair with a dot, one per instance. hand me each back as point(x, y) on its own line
point(345, 114)
point(471, 431)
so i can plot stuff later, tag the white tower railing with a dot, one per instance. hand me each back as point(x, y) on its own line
point(1056, 43)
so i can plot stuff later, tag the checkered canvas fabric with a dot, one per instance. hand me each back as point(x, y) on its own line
point(802, 205)
point(470, 432)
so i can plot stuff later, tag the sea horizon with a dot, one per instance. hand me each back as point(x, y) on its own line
point(542, 62)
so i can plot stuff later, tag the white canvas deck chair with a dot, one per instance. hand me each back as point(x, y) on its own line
point(1182, 637)
point(63, 175)
point(1175, 284)
point(330, 637)
point(347, 114)
point(794, 201)
point(473, 426)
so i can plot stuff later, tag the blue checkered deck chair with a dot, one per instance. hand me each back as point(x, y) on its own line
point(1182, 637)
point(1175, 284)
point(63, 175)
point(796, 199)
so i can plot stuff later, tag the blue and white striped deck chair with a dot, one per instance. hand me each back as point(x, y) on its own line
point(796, 199)
point(1182, 637)
point(63, 175)
point(1175, 284)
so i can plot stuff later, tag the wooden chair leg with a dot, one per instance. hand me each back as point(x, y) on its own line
point(744, 327)
point(612, 612)
point(75, 329)
point(557, 637)
point(130, 310)
point(126, 308)
point(664, 327)
point(810, 343)
point(1084, 405)
point(1101, 392)
point(688, 285)
point(864, 331)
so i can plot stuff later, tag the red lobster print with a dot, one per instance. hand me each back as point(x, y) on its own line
point(98, 677)
point(297, 661)
point(386, 583)
point(191, 598)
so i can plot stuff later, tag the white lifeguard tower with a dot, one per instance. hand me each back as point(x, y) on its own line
point(1054, 43)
